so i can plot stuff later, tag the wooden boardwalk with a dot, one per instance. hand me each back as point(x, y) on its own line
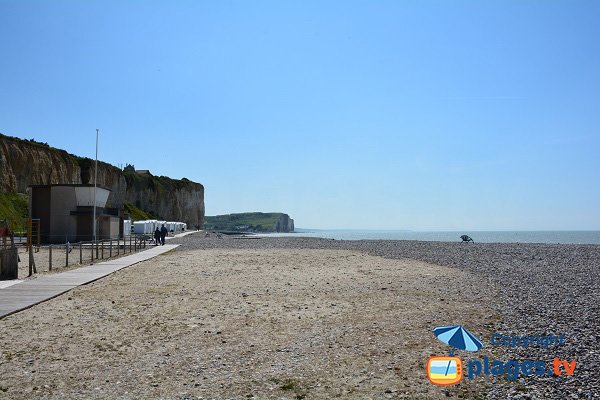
point(34, 291)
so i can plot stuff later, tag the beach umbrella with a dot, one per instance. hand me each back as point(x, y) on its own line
point(458, 337)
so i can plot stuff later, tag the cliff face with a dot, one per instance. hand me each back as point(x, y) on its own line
point(24, 163)
point(284, 224)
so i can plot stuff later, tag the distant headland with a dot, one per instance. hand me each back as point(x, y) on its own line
point(250, 222)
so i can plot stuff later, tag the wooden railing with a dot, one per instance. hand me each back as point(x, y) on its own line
point(97, 250)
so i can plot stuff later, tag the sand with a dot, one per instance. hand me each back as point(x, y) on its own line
point(247, 323)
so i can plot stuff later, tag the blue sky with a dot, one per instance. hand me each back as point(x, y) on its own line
point(428, 115)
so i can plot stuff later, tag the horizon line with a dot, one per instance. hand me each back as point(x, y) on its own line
point(448, 230)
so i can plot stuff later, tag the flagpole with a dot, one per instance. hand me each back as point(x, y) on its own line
point(95, 184)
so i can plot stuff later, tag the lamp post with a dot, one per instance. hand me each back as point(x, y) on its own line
point(95, 183)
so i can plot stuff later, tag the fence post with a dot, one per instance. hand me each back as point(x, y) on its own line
point(50, 258)
point(92, 247)
point(118, 240)
point(130, 244)
point(110, 249)
point(102, 244)
point(80, 254)
point(135, 244)
point(31, 261)
point(67, 249)
point(97, 250)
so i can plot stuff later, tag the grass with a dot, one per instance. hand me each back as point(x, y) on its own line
point(14, 207)
point(290, 384)
point(257, 222)
point(163, 289)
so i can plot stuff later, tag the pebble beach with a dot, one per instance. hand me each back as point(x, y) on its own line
point(537, 289)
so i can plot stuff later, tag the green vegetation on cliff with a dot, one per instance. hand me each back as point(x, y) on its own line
point(13, 207)
point(136, 214)
point(243, 222)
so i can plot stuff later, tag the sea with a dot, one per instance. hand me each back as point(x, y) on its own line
point(563, 237)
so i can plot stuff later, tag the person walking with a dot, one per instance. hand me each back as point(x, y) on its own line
point(163, 234)
point(157, 236)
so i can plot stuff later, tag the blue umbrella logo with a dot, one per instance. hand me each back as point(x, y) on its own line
point(457, 337)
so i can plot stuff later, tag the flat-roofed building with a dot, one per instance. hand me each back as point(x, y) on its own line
point(66, 213)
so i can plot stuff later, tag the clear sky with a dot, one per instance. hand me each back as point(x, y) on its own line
point(420, 115)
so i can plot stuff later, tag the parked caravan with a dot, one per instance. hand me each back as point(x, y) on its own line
point(148, 227)
point(142, 227)
point(126, 227)
point(171, 226)
point(152, 225)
